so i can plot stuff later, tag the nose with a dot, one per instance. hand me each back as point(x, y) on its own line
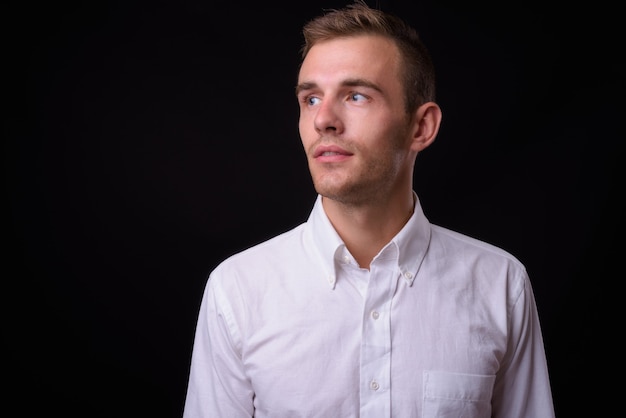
point(327, 118)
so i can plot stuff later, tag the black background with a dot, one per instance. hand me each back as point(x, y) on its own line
point(146, 141)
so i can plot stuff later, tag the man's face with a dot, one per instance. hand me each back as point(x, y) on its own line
point(353, 123)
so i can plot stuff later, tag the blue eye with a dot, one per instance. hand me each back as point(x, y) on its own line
point(312, 100)
point(356, 97)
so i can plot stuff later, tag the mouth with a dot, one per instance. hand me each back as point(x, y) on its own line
point(333, 152)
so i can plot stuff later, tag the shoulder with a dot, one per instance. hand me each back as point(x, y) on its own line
point(455, 241)
point(476, 260)
point(254, 279)
point(257, 258)
point(459, 240)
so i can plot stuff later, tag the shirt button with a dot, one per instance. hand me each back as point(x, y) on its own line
point(375, 314)
point(408, 275)
point(374, 385)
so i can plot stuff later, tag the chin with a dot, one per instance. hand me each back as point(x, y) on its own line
point(336, 193)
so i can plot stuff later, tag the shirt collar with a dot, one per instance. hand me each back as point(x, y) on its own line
point(411, 242)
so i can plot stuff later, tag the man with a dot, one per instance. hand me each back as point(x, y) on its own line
point(367, 309)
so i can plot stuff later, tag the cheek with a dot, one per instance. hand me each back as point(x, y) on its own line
point(306, 130)
point(391, 145)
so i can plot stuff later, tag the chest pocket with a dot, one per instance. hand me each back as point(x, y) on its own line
point(455, 395)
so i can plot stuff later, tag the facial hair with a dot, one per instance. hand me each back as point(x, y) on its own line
point(374, 176)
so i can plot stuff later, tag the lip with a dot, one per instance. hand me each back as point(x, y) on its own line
point(331, 153)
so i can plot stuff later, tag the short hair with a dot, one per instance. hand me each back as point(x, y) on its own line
point(418, 73)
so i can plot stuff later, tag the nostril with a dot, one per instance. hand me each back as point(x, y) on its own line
point(327, 119)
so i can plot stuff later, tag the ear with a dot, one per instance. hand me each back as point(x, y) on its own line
point(427, 120)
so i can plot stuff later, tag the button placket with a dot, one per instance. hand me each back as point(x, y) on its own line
point(376, 344)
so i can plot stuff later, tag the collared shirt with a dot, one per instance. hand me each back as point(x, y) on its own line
point(441, 325)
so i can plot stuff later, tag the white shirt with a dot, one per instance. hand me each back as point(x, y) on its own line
point(442, 325)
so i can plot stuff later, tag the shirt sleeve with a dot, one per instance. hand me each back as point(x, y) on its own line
point(218, 386)
point(522, 387)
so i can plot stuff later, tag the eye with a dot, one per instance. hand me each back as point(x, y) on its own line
point(312, 100)
point(357, 97)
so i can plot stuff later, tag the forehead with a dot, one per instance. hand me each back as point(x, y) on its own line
point(371, 57)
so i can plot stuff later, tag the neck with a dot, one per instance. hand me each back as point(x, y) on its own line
point(366, 229)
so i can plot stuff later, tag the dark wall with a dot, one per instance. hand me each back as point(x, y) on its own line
point(146, 141)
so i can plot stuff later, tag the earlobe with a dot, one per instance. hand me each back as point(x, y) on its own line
point(428, 119)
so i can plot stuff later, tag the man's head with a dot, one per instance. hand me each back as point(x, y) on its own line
point(418, 73)
point(360, 125)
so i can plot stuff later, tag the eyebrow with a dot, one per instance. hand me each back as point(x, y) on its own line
point(349, 82)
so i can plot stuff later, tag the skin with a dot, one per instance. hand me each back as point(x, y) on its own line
point(359, 141)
